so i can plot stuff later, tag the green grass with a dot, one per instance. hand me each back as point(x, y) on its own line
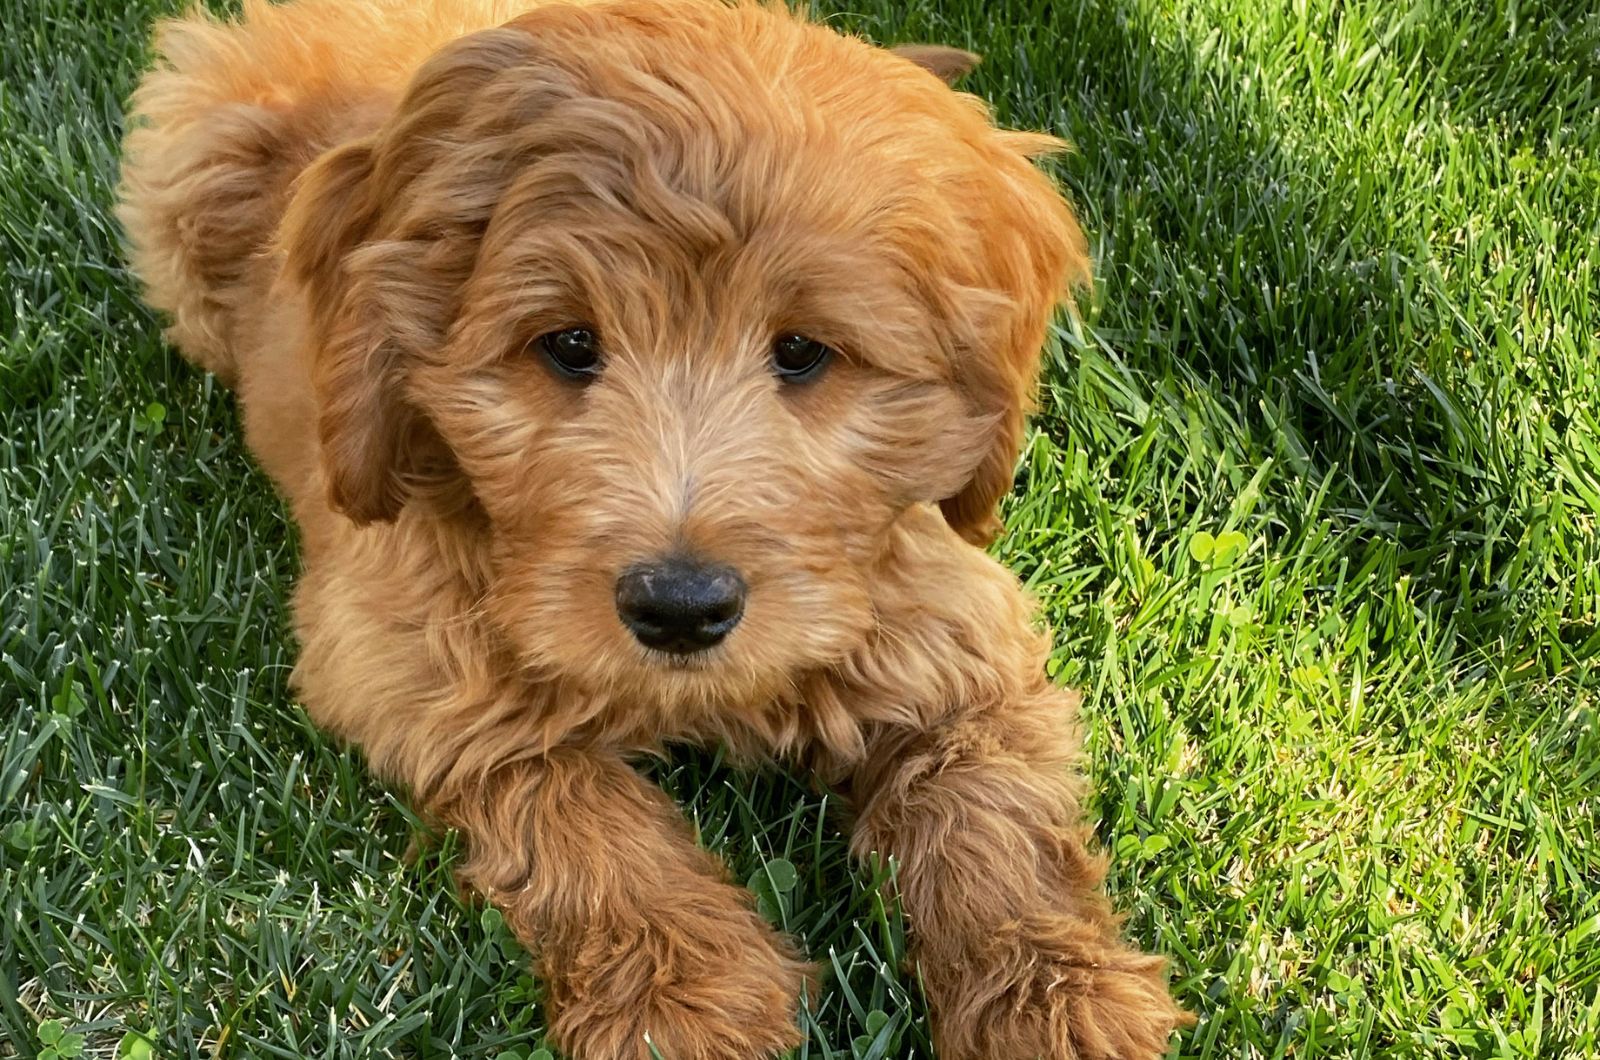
point(1348, 325)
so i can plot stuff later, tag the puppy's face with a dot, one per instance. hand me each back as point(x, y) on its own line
point(697, 300)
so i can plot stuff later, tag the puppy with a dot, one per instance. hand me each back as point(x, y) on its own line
point(643, 371)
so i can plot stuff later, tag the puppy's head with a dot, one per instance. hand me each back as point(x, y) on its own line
point(698, 299)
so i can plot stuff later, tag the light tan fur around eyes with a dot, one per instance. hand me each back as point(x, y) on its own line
point(361, 214)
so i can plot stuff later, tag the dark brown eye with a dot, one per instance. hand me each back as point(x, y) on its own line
point(798, 359)
point(575, 352)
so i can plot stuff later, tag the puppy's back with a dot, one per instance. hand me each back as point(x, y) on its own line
point(231, 113)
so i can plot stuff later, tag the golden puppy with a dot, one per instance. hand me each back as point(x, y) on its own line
point(645, 371)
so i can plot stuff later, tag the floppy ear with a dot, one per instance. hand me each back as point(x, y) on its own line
point(947, 64)
point(1034, 256)
point(381, 233)
point(362, 421)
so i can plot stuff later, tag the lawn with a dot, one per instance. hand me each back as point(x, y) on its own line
point(1311, 506)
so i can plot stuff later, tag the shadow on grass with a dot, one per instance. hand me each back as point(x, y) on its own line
point(1530, 67)
point(1310, 279)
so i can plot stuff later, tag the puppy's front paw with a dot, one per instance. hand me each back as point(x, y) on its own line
point(1050, 989)
point(706, 987)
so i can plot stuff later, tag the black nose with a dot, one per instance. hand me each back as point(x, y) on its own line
point(678, 605)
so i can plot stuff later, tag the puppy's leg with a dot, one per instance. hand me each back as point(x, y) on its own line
point(1017, 946)
point(637, 934)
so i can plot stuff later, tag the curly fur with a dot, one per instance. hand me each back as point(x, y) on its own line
point(361, 213)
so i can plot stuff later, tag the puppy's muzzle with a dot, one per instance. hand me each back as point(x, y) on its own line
point(680, 605)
